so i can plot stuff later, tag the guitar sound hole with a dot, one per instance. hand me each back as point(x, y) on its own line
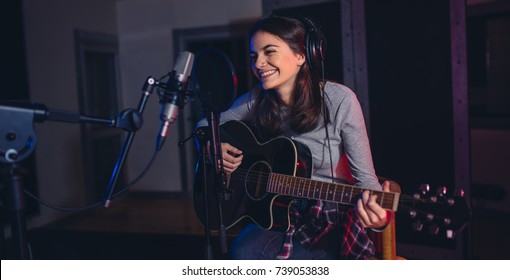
point(255, 181)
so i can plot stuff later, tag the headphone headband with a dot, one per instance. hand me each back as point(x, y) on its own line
point(314, 43)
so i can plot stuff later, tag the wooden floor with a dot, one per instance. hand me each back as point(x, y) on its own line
point(134, 227)
point(139, 214)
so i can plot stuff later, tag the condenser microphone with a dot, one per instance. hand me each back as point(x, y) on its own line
point(176, 87)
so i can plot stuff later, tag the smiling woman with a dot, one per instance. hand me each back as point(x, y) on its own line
point(325, 122)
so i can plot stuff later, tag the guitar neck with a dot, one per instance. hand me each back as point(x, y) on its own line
point(334, 192)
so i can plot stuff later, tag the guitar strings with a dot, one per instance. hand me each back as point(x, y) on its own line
point(320, 190)
point(405, 201)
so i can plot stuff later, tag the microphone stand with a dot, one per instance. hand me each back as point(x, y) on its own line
point(17, 143)
point(201, 136)
point(220, 180)
point(21, 142)
point(130, 120)
point(12, 179)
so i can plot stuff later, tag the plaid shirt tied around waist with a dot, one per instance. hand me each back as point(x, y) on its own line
point(310, 226)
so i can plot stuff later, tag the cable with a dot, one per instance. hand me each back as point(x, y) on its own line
point(329, 145)
point(326, 124)
point(59, 208)
point(91, 206)
point(139, 177)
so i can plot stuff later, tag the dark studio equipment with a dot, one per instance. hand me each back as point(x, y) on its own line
point(172, 95)
point(17, 142)
point(18, 139)
point(215, 83)
point(134, 123)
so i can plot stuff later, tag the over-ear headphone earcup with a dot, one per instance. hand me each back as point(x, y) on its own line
point(314, 43)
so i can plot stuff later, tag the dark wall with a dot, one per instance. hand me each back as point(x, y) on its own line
point(14, 70)
point(410, 91)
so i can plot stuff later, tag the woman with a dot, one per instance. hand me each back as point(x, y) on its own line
point(291, 100)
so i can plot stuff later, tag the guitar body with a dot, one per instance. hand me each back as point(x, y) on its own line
point(246, 196)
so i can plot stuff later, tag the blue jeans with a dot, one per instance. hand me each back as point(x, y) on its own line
point(254, 243)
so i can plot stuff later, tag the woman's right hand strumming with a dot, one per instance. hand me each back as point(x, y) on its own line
point(232, 157)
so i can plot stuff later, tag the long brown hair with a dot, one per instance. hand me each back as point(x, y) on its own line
point(307, 107)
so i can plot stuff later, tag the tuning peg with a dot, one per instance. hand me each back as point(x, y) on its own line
point(430, 217)
point(417, 226)
point(441, 191)
point(433, 229)
point(424, 188)
point(460, 192)
point(450, 234)
point(412, 214)
point(447, 221)
point(450, 201)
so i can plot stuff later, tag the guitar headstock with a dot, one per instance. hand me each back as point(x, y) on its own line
point(436, 212)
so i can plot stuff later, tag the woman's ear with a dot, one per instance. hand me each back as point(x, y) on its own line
point(301, 59)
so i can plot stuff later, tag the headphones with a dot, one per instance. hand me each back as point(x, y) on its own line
point(315, 43)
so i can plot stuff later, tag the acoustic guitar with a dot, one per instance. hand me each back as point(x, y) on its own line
point(274, 173)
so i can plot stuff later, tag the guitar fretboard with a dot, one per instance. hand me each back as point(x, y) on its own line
point(333, 192)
